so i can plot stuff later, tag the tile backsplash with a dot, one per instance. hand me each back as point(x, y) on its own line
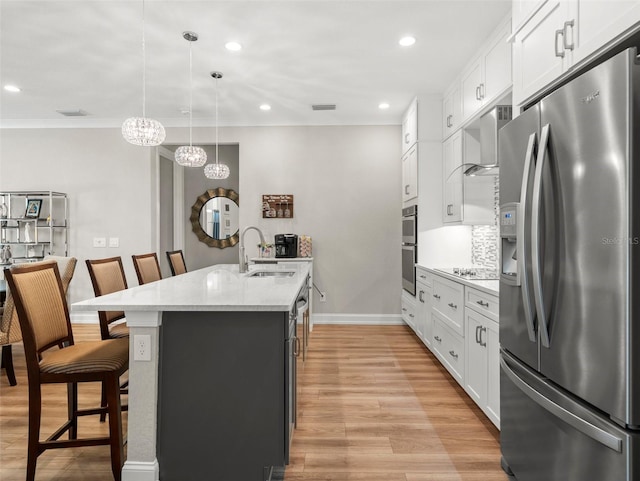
point(484, 238)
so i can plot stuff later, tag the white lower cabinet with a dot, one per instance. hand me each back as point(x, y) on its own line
point(482, 369)
point(424, 321)
point(408, 305)
point(449, 347)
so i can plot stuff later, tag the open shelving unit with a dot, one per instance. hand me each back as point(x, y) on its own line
point(32, 238)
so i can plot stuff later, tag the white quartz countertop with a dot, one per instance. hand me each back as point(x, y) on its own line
point(490, 287)
point(215, 288)
point(265, 260)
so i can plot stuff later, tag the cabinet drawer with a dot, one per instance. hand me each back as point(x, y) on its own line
point(448, 301)
point(424, 276)
point(449, 347)
point(408, 304)
point(482, 302)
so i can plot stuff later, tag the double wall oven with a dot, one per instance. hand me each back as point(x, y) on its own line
point(409, 248)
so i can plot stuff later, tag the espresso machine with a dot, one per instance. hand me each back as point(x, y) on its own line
point(286, 245)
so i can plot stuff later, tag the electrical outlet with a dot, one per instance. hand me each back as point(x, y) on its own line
point(114, 242)
point(142, 347)
point(99, 242)
point(323, 297)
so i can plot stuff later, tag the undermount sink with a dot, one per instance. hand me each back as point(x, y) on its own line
point(270, 274)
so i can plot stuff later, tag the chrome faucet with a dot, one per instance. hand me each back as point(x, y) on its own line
point(243, 258)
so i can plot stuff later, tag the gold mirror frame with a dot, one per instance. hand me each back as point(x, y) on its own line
point(195, 218)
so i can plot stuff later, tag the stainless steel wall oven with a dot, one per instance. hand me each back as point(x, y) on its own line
point(409, 248)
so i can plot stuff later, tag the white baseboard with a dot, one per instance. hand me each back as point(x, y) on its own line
point(359, 319)
point(84, 317)
point(140, 471)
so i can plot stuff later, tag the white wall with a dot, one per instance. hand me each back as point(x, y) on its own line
point(345, 182)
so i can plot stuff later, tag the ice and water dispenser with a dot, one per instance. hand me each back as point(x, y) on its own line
point(510, 243)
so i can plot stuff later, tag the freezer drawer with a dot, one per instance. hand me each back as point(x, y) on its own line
point(548, 435)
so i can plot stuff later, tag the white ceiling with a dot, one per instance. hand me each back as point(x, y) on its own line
point(88, 55)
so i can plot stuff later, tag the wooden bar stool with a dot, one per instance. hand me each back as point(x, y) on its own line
point(53, 357)
point(147, 267)
point(176, 262)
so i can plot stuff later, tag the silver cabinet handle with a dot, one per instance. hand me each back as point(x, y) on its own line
point(585, 427)
point(522, 242)
point(421, 296)
point(482, 343)
point(536, 258)
point(411, 315)
point(483, 304)
point(423, 277)
point(404, 309)
point(449, 209)
point(565, 43)
point(406, 138)
point(296, 347)
point(453, 354)
point(436, 296)
point(478, 334)
point(452, 305)
point(561, 52)
point(406, 189)
point(478, 93)
point(482, 91)
point(437, 338)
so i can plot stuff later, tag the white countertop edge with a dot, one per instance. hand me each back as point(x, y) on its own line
point(265, 260)
point(491, 287)
point(96, 306)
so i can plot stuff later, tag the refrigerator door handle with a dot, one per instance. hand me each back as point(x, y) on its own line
point(522, 243)
point(585, 427)
point(535, 238)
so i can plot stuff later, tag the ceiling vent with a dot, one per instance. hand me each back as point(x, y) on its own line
point(324, 107)
point(72, 113)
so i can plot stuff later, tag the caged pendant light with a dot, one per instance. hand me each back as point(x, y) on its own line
point(188, 155)
point(217, 170)
point(141, 130)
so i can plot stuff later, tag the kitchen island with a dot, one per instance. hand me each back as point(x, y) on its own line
point(211, 372)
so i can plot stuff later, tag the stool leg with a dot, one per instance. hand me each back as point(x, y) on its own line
point(7, 363)
point(103, 403)
point(72, 409)
point(112, 387)
point(35, 411)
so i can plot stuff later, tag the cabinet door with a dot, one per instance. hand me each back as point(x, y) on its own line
point(451, 107)
point(410, 174)
point(492, 404)
point(497, 66)
point(476, 358)
point(538, 53)
point(471, 90)
point(424, 323)
point(452, 178)
point(599, 23)
point(410, 126)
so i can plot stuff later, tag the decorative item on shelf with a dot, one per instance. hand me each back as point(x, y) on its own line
point(5, 255)
point(190, 156)
point(4, 210)
point(33, 208)
point(27, 232)
point(217, 170)
point(304, 246)
point(272, 206)
point(266, 250)
point(141, 130)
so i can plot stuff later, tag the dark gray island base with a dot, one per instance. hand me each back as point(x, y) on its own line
point(226, 395)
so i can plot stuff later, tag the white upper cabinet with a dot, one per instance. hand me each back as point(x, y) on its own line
point(452, 179)
point(410, 126)
point(561, 35)
point(452, 110)
point(489, 75)
point(410, 174)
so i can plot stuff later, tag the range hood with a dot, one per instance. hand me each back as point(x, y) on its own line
point(490, 123)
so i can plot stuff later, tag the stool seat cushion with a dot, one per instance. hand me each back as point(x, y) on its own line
point(87, 357)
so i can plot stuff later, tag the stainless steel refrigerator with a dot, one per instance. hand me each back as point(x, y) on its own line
point(570, 280)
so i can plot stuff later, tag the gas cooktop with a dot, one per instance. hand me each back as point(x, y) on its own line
point(473, 273)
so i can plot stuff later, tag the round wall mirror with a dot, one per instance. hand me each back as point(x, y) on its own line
point(214, 218)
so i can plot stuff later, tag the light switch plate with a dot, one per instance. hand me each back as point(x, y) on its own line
point(99, 242)
point(114, 242)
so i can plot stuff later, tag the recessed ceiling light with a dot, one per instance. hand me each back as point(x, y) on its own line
point(11, 88)
point(383, 106)
point(233, 46)
point(265, 107)
point(407, 41)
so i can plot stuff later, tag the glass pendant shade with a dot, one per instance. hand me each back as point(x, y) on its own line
point(190, 156)
point(216, 171)
point(144, 132)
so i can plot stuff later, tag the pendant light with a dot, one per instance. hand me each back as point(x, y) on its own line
point(141, 130)
point(217, 170)
point(190, 156)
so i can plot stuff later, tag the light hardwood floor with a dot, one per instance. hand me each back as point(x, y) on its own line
point(374, 405)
